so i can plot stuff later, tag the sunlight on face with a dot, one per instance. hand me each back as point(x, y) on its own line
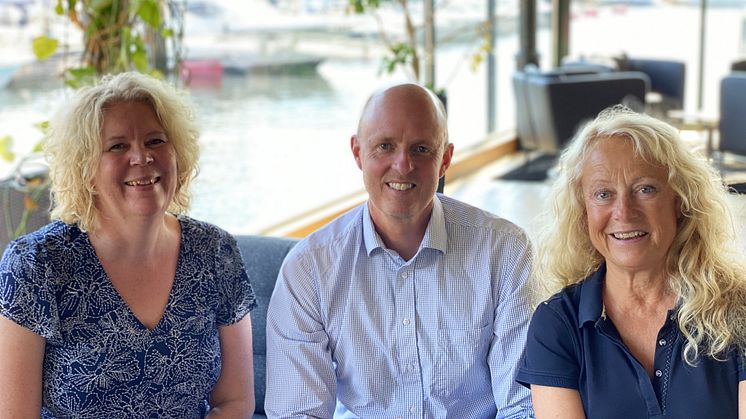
point(632, 210)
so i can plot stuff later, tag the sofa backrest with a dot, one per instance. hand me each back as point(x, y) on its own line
point(732, 121)
point(263, 257)
point(559, 105)
point(667, 77)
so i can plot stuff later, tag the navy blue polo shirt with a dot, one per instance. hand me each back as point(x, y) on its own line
point(571, 344)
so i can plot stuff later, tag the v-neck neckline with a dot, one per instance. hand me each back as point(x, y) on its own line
point(171, 295)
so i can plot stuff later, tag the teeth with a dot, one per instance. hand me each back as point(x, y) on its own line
point(630, 235)
point(401, 186)
point(141, 182)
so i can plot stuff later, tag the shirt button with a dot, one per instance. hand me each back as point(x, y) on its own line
point(658, 373)
point(413, 409)
point(662, 342)
point(405, 322)
point(404, 275)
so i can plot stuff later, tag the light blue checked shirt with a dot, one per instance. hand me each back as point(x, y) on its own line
point(353, 330)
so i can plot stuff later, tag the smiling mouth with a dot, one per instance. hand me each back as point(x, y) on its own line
point(143, 182)
point(401, 186)
point(629, 235)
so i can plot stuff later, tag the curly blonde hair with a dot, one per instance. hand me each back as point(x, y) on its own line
point(73, 142)
point(703, 263)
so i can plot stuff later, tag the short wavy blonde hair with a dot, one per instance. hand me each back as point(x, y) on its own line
point(73, 143)
point(704, 262)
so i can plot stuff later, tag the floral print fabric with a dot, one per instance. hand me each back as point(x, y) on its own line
point(100, 361)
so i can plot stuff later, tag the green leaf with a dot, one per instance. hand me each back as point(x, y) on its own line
point(38, 147)
point(44, 47)
point(167, 32)
point(99, 5)
point(140, 59)
point(42, 126)
point(5, 152)
point(134, 6)
point(58, 8)
point(150, 13)
point(76, 77)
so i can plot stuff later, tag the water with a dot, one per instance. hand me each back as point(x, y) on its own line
point(274, 146)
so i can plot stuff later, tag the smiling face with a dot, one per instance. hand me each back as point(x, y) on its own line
point(137, 173)
point(401, 149)
point(632, 211)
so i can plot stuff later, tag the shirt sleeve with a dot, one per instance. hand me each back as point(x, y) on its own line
point(300, 373)
point(551, 357)
point(510, 324)
point(234, 287)
point(25, 295)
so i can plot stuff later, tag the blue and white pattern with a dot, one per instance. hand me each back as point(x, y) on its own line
point(100, 361)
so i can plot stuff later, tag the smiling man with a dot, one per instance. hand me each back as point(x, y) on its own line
point(410, 305)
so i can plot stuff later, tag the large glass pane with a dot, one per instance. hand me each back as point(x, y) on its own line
point(276, 123)
point(663, 30)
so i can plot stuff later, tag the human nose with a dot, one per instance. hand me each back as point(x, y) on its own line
point(403, 161)
point(624, 207)
point(140, 156)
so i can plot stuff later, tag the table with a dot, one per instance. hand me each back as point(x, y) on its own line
point(696, 121)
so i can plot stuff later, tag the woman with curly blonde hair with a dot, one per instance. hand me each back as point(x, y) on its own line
point(123, 306)
point(648, 316)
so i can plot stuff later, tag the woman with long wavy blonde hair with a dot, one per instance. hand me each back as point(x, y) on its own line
point(647, 314)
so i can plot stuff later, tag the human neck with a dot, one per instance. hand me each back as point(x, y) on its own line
point(402, 235)
point(641, 289)
point(134, 238)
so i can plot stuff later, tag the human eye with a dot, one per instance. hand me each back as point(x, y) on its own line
point(156, 141)
point(116, 147)
point(601, 195)
point(383, 147)
point(647, 189)
point(421, 149)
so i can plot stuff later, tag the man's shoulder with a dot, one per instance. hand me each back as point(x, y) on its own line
point(459, 214)
point(340, 233)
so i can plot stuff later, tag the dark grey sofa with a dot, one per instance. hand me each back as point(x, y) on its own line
point(263, 257)
point(551, 106)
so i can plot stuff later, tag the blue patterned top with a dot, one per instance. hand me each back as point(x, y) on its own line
point(100, 361)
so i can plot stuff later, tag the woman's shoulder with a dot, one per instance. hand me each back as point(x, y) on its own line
point(201, 230)
point(52, 237)
point(567, 298)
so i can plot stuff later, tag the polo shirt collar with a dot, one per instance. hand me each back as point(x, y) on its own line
point(591, 298)
point(435, 233)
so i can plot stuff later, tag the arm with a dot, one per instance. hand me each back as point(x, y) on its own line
point(21, 363)
point(233, 395)
point(557, 402)
point(300, 373)
point(742, 400)
point(511, 319)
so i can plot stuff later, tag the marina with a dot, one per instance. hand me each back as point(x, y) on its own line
point(275, 144)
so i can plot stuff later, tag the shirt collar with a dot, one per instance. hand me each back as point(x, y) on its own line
point(435, 233)
point(591, 298)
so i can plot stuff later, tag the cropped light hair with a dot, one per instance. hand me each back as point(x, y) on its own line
point(703, 264)
point(73, 144)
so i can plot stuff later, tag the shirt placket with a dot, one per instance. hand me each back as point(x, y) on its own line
point(662, 361)
point(644, 382)
point(409, 365)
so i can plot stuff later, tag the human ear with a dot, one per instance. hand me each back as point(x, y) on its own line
point(355, 147)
